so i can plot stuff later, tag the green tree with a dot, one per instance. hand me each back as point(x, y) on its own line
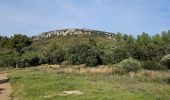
point(19, 41)
point(5, 42)
point(84, 54)
point(166, 39)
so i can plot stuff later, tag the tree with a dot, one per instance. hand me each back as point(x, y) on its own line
point(84, 54)
point(19, 41)
point(144, 47)
point(166, 39)
point(55, 55)
point(5, 42)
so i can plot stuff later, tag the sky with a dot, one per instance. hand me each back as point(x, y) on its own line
point(32, 17)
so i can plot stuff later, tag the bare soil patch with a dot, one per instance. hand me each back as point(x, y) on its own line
point(5, 88)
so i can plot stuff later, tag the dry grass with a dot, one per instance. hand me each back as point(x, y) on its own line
point(90, 70)
point(104, 69)
point(49, 66)
point(153, 74)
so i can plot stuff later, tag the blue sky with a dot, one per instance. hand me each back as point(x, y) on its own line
point(32, 17)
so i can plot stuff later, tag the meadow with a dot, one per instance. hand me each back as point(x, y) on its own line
point(42, 83)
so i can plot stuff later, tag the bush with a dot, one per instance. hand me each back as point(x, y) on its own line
point(58, 57)
point(152, 65)
point(166, 61)
point(78, 53)
point(7, 61)
point(167, 80)
point(24, 63)
point(93, 60)
point(130, 65)
point(119, 54)
point(107, 57)
point(53, 56)
point(84, 54)
point(42, 60)
point(34, 61)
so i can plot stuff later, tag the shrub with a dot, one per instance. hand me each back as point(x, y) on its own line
point(42, 60)
point(119, 54)
point(130, 65)
point(58, 56)
point(166, 61)
point(167, 80)
point(7, 61)
point(53, 56)
point(77, 53)
point(34, 61)
point(107, 57)
point(152, 65)
point(24, 63)
point(92, 60)
point(84, 54)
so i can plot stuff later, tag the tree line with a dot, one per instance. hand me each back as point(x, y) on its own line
point(149, 50)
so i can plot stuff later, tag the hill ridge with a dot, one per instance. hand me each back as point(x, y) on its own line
point(73, 31)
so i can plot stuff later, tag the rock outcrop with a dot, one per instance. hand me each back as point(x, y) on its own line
point(73, 31)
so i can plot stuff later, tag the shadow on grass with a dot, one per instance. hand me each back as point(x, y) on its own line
point(16, 78)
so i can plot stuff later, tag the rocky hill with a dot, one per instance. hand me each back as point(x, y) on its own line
point(74, 31)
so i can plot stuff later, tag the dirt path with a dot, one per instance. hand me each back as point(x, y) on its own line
point(5, 88)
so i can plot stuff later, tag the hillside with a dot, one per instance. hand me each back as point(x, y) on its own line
point(66, 37)
point(71, 36)
point(83, 46)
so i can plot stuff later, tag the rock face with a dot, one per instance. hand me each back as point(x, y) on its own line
point(74, 31)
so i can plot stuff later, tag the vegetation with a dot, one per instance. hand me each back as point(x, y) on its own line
point(91, 50)
point(166, 61)
point(48, 84)
point(84, 54)
point(130, 65)
point(101, 65)
point(153, 65)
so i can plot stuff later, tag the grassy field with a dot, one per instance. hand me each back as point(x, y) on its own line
point(48, 84)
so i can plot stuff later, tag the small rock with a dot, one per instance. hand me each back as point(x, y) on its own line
point(75, 92)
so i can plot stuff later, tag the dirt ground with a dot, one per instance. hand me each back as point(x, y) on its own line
point(5, 88)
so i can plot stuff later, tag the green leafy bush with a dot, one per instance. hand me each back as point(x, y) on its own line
point(84, 54)
point(152, 65)
point(7, 61)
point(93, 59)
point(166, 61)
point(130, 65)
point(113, 56)
point(106, 56)
point(119, 54)
point(58, 57)
point(53, 56)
